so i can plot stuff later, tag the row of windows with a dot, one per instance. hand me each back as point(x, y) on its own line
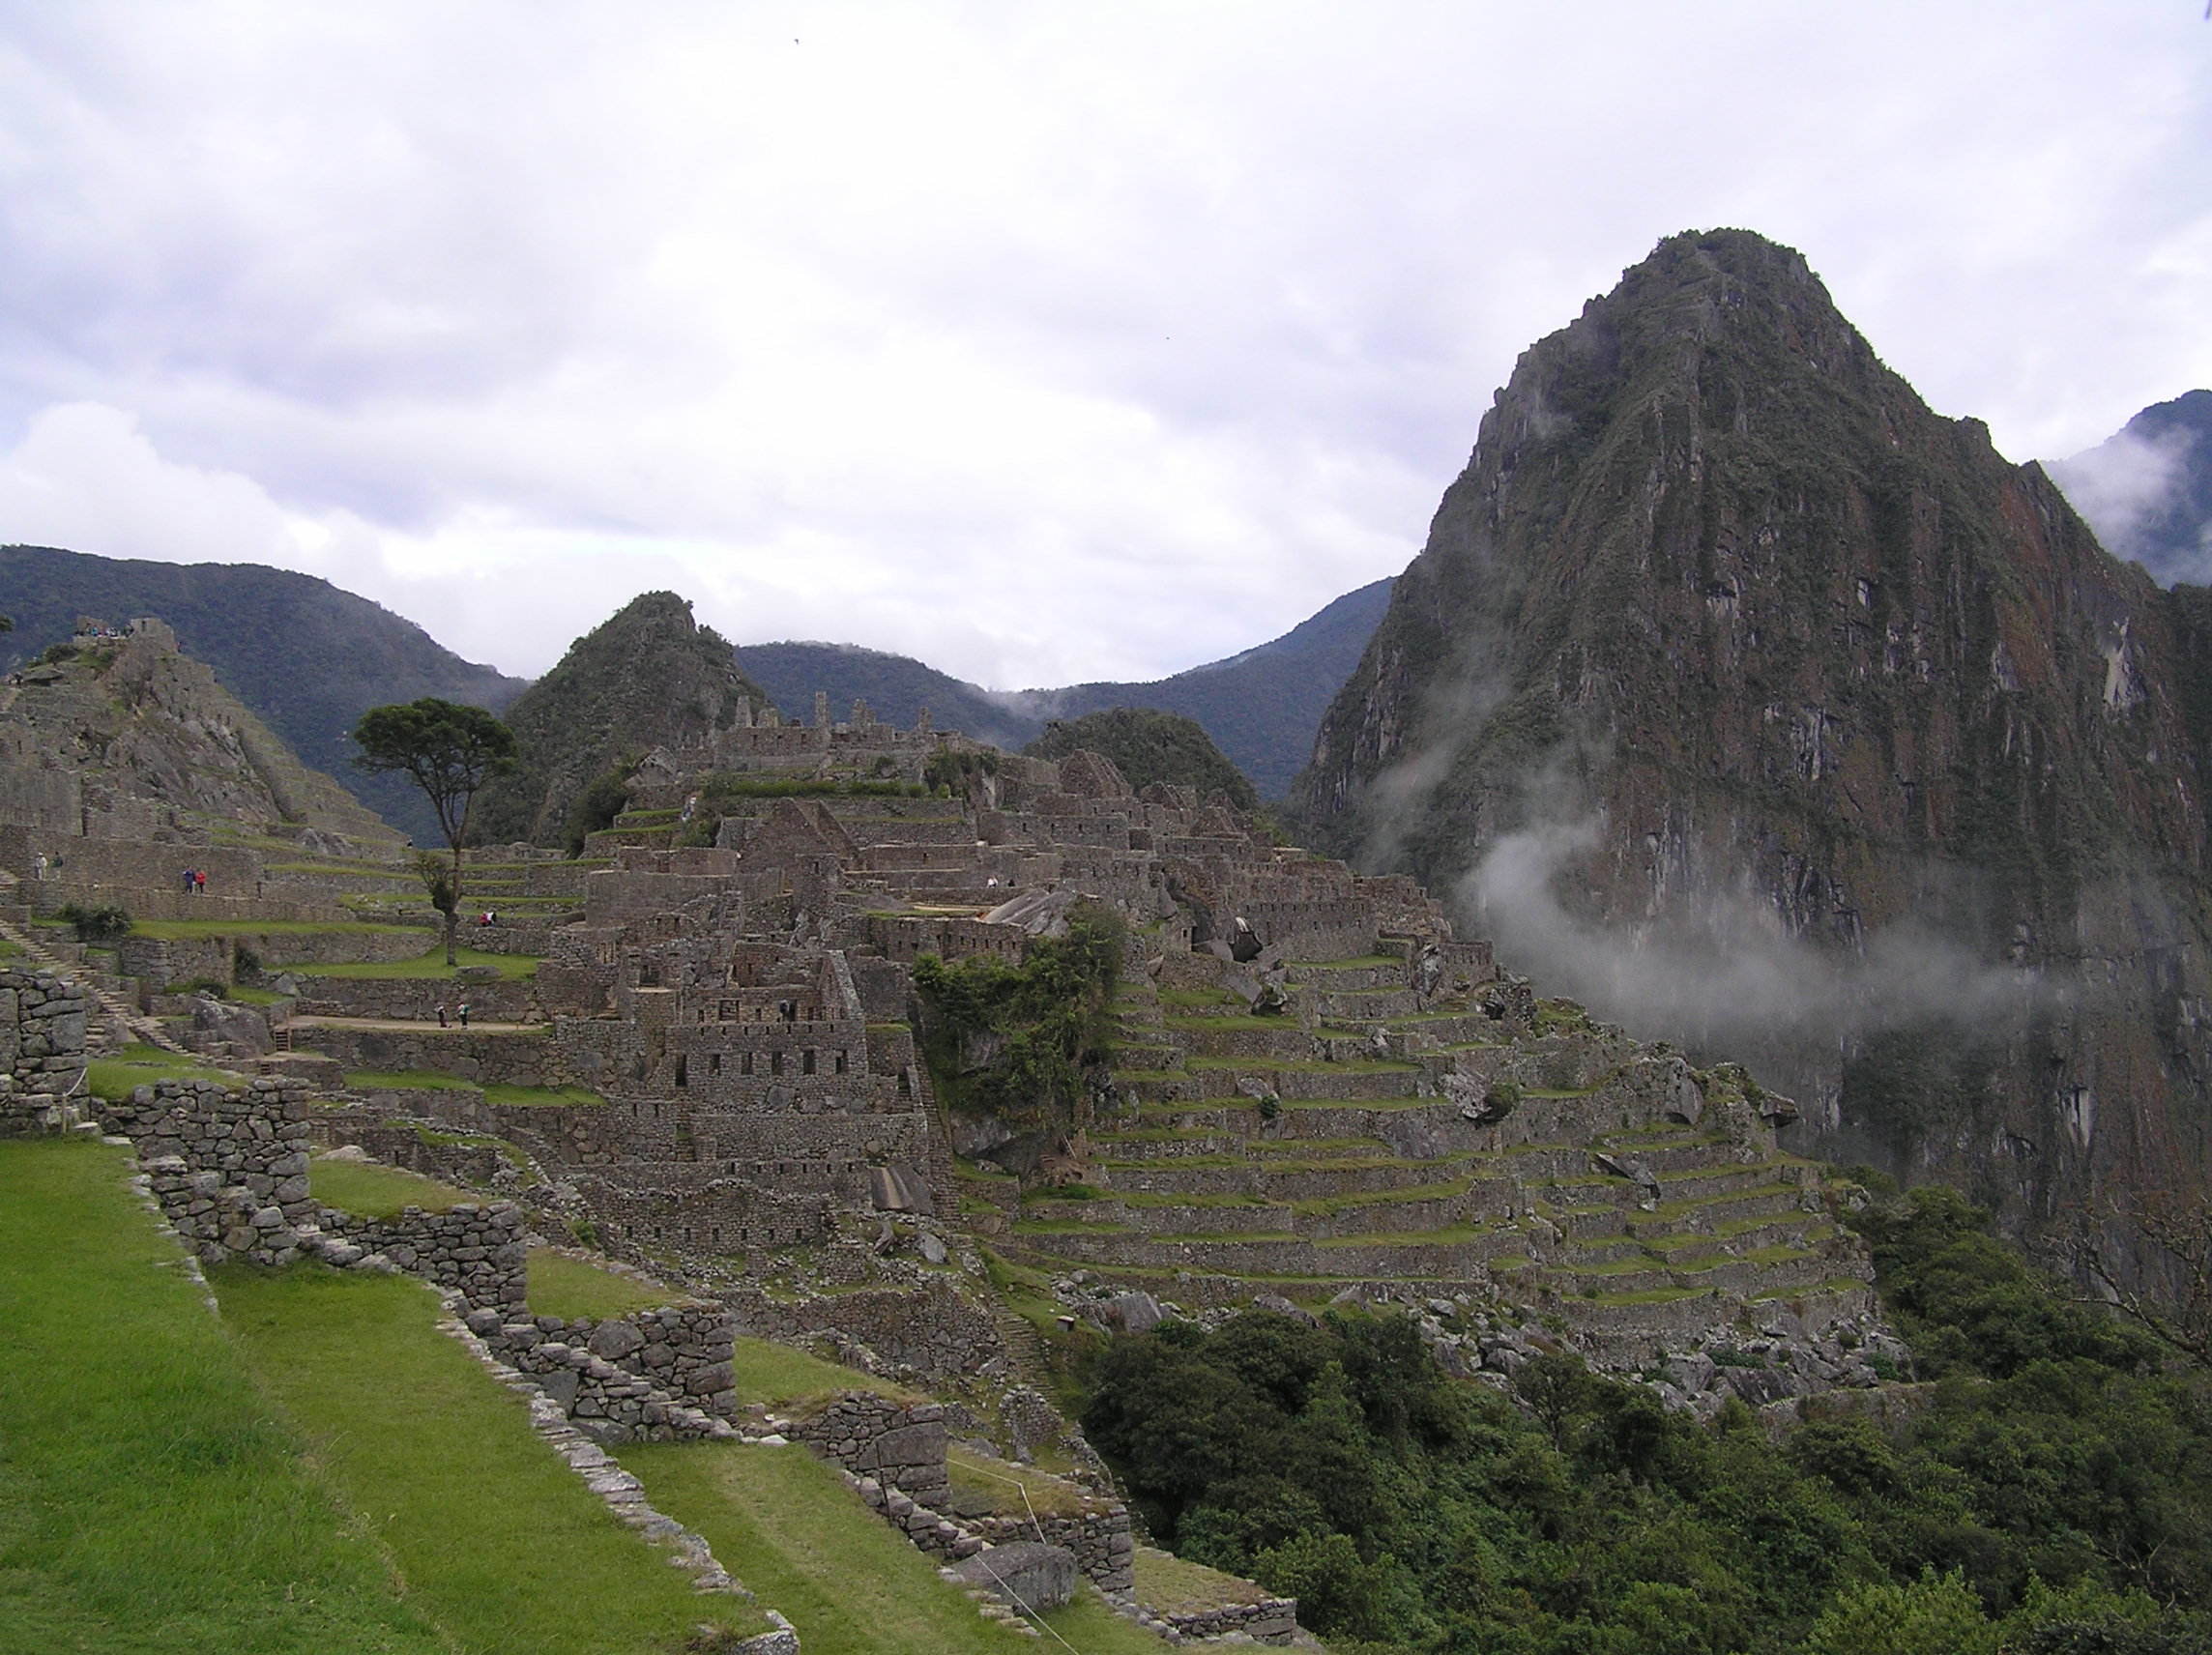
point(807, 1063)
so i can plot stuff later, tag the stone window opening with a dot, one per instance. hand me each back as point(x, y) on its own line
point(713, 1063)
point(683, 1074)
point(745, 1064)
point(775, 1062)
point(840, 1062)
point(806, 1061)
point(905, 1083)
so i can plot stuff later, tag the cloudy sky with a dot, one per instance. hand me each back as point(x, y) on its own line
point(1046, 341)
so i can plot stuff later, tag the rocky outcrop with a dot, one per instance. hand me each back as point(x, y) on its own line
point(120, 736)
point(1749, 701)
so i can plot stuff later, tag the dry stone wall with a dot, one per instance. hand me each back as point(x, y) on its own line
point(1104, 1547)
point(874, 1437)
point(477, 1250)
point(935, 1332)
point(41, 1052)
point(229, 1165)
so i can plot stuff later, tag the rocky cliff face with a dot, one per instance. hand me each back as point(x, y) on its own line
point(123, 737)
point(649, 675)
point(1747, 699)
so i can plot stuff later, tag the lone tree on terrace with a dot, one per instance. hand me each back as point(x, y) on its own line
point(449, 752)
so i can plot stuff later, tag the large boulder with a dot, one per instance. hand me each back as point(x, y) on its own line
point(1027, 1573)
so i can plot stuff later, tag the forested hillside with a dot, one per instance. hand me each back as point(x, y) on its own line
point(306, 656)
point(2045, 1486)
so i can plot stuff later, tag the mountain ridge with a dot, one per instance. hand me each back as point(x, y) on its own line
point(307, 657)
point(1260, 706)
point(1743, 696)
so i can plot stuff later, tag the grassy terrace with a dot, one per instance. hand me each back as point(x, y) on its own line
point(495, 1539)
point(576, 1289)
point(114, 1077)
point(1308, 1066)
point(368, 1190)
point(182, 928)
point(780, 1520)
point(437, 1080)
point(151, 1503)
point(431, 964)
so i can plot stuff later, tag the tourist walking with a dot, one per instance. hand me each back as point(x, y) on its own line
point(464, 1014)
point(442, 1023)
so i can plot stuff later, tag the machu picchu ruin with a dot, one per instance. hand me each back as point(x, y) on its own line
point(698, 1051)
point(769, 1176)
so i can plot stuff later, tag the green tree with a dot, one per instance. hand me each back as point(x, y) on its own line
point(450, 751)
point(1936, 1615)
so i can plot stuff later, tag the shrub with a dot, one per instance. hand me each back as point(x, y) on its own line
point(97, 924)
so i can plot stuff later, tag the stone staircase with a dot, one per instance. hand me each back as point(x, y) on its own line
point(116, 1020)
point(1331, 1148)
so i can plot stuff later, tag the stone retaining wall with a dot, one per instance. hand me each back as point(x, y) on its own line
point(870, 1435)
point(502, 1000)
point(489, 1057)
point(477, 1250)
point(933, 1330)
point(1271, 1620)
point(1105, 1550)
point(41, 1052)
point(661, 1377)
point(229, 1166)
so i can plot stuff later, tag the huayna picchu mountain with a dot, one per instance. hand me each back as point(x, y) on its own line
point(648, 675)
point(1745, 698)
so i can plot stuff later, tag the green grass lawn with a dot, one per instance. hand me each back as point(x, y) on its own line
point(543, 1098)
point(496, 1539)
point(409, 1080)
point(113, 1077)
point(431, 964)
point(1175, 1586)
point(782, 1522)
point(150, 1501)
point(368, 1190)
point(769, 1373)
point(576, 1291)
point(178, 928)
point(436, 1080)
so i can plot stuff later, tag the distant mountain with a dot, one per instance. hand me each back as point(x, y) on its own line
point(2148, 489)
point(647, 676)
point(1262, 708)
point(306, 657)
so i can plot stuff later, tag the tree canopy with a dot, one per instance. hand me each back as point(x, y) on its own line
point(446, 749)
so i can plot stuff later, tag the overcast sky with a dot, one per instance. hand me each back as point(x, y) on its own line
point(1043, 342)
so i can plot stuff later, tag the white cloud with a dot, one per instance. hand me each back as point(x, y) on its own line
point(1045, 342)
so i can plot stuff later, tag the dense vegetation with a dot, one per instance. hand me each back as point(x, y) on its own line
point(308, 658)
point(1148, 747)
point(1014, 1040)
point(2050, 1495)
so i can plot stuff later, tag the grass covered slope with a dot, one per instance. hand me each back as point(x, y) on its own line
point(495, 1538)
point(789, 1528)
point(150, 1500)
